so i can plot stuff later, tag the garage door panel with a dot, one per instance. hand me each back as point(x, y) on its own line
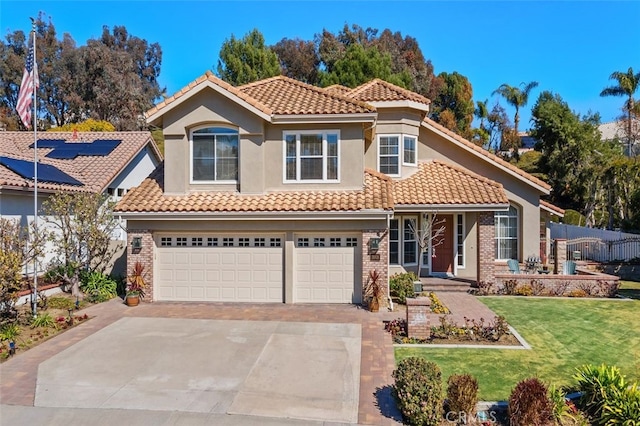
point(250, 274)
point(325, 274)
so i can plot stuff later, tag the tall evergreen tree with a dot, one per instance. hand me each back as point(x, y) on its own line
point(246, 60)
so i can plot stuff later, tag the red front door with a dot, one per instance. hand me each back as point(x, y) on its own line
point(442, 246)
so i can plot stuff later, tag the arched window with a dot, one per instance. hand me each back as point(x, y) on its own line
point(214, 155)
point(506, 230)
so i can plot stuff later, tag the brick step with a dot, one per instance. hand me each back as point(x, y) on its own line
point(458, 288)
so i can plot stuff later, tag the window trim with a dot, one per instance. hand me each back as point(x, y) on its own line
point(192, 181)
point(460, 222)
point(415, 150)
point(398, 241)
point(517, 237)
point(399, 155)
point(325, 155)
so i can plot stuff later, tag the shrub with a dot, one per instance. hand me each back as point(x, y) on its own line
point(538, 288)
point(510, 287)
point(606, 396)
point(529, 404)
point(462, 394)
point(608, 289)
point(418, 390)
point(60, 303)
point(43, 320)
point(578, 292)
point(98, 287)
point(523, 290)
point(486, 288)
point(9, 331)
point(58, 272)
point(559, 289)
point(401, 286)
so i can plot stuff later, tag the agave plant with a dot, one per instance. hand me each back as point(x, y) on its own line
point(136, 281)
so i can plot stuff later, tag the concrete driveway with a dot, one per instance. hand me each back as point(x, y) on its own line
point(295, 370)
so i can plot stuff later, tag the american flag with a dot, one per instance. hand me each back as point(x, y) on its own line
point(29, 80)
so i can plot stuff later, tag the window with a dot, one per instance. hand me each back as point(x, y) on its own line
point(212, 242)
point(181, 241)
point(311, 156)
point(351, 242)
point(389, 158)
point(227, 242)
point(259, 242)
point(335, 242)
point(303, 242)
point(243, 242)
point(460, 240)
point(506, 231)
point(409, 150)
point(196, 241)
point(318, 242)
point(394, 241)
point(410, 246)
point(214, 152)
point(275, 242)
point(166, 241)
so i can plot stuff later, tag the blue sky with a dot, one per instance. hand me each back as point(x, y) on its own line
point(568, 47)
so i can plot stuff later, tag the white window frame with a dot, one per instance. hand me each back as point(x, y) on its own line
point(399, 155)
point(325, 156)
point(232, 130)
point(414, 240)
point(415, 150)
point(460, 247)
point(505, 215)
point(398, 219)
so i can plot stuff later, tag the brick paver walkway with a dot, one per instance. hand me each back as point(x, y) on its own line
point(376, 406)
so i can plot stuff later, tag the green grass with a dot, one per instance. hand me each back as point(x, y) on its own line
point(564, 334)
point(630, 289)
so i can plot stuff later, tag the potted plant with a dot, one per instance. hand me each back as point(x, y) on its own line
point(135, 288)
point(373, 291)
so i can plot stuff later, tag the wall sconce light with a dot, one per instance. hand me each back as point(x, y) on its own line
point(374, 245)
point(136, 243)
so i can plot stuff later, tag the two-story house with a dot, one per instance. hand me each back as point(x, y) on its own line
point(278, 191)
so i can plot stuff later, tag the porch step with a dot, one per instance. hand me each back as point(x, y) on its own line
point(456, 288)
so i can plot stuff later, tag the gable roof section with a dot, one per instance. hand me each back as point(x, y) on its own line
point(380, 92)
point(551, 208)
point(94, 172)
point(440, 184)
point(269, 98)
point(339, 89)
point(483, 154)
point(149, 198)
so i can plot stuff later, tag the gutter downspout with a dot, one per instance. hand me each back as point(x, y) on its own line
point(389, 285)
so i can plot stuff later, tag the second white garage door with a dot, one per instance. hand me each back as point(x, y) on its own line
point(239, 270)
point(325, 269)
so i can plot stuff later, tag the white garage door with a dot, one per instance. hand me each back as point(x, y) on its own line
point(219, 269)
point(325, 270)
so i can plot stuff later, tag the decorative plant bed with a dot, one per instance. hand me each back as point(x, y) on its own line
point(580, 285)
point(496, 332)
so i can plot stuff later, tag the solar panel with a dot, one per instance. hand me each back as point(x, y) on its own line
point(46, 172)
point(63, 150)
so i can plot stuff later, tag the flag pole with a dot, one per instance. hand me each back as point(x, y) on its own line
point(35, 174)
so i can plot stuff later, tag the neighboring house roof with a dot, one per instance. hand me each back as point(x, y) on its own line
point(553, 209)
point(486, 155)
point(149, 198)
point(378, 90)
point(272, 97)
point(615, 129)
point(93, 169)
point(437, 183)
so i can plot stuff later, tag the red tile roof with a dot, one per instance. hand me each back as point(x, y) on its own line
point(440, 183)
point(95, 172)
point(149, 197)
point(380, 90)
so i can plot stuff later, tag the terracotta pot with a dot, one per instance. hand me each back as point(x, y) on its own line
point(374, 304)
point(132, 300)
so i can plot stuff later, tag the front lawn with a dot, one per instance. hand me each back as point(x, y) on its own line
point(630, 289)
point(564, 334)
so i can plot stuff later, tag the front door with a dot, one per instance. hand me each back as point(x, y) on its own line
point(442, 246)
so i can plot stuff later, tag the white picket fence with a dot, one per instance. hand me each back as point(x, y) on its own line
point(597, 245)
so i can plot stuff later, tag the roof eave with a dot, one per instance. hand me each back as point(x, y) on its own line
point(542, 189)
point(369, 117)
point(551, 211)
point(154, 118)
point(403, 208)
point(400, 104)
point(368, 214)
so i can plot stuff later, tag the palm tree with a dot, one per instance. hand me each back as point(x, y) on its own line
point(516, 97)
point(628, 84)
point(482, 111)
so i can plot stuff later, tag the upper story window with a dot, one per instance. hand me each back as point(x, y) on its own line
point(311, 156)
point(409, 150)
point(214, 155)
point(391, 153)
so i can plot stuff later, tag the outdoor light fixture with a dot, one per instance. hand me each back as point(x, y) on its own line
point(374, 245)
point(136, 243)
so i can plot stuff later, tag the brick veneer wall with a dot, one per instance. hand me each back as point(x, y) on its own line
point(418, 311)
point(381, 266)
point(144, 256)
point(486, 250)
